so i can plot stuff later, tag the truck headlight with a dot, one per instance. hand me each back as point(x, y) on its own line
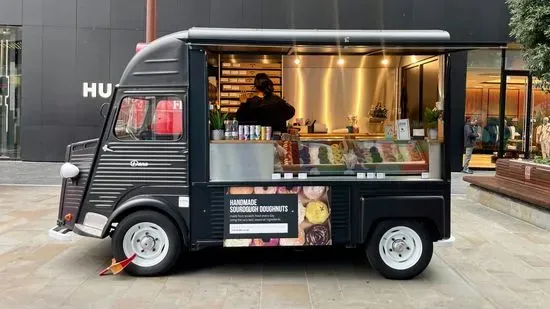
point(69, 170)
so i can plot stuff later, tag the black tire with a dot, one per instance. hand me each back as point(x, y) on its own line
point(389, 272)
point(173, 235)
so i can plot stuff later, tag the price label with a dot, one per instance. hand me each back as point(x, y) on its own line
point(380, 175)
point(361, 175)
point(425, 175)
point(276, 176)
point(371, 175)
point(288, 175)
point(302, 175)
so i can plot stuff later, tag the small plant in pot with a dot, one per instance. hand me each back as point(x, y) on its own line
point(431, 117)
point(217, 119)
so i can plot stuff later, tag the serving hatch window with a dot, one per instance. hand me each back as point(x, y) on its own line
point(352, 115)
point(150, 118)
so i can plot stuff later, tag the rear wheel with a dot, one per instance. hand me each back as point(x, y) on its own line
point(400, 249)
point(154, 239)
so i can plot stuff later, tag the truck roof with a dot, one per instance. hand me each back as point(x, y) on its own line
point(164, 61)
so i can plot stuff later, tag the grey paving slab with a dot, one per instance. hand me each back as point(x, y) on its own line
point(29, 173)
point(496, 262)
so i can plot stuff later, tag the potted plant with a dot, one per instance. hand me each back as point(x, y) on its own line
point(417, 129)
point(217, 119)
point(431, 117)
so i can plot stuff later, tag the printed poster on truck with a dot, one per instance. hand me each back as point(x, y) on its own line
point(277, 216)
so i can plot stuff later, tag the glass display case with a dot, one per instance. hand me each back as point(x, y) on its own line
point(331, 157)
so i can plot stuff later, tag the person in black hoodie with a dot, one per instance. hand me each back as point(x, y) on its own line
point(265, 108)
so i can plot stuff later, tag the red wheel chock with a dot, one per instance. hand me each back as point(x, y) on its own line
point(116, 268)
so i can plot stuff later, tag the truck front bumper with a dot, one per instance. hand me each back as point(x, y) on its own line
point(61, 233)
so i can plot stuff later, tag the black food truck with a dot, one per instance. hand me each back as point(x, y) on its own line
point(360, 160)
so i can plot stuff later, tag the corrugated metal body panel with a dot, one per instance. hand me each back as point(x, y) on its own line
point(161, 63)
point(130, 165)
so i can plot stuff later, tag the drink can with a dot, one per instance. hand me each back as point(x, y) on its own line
point(241, 132)
point(257, 132)
point(234, 129)
point(246, 132)
point(262, 134)
point(227, 135)
point(251, 132)
point(268, 133)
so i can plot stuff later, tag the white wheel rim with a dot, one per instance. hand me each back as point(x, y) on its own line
point(148, 241)
point(400, 247)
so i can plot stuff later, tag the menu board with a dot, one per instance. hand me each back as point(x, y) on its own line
point(238, 77)
point(277, 216)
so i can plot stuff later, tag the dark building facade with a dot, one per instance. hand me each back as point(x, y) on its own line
point(72, 49)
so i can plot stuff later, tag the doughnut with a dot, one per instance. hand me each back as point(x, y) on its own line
point(317, 212)
point(241, 190)
point(314, 193)
point(273, 242)
point(236, 242)
point(265, 190)
point(317, 235)
point(285, 190)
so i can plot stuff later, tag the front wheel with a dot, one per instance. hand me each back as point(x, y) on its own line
point(400, 249)
point(154, 239)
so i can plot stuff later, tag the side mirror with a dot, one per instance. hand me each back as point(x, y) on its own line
point(104, 109)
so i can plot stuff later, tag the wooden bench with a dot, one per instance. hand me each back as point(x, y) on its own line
point(524, 181)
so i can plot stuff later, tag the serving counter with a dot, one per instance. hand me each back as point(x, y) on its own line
point(234, 160)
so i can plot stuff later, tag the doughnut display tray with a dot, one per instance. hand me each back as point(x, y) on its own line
point(364, 146)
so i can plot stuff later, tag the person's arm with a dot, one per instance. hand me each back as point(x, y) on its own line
point(280, 109)
point(243, 112)
point(288, 110)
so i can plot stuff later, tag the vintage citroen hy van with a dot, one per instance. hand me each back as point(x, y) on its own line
point(156, 183)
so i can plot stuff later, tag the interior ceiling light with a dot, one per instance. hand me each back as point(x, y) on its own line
point(297, 61)
point(385, 61)
point(341, 61)
point(414, 59)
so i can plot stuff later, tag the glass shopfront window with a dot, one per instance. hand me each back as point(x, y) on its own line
point(525, 106)
point(10, 91)
point(541, 110)
point(482, 101)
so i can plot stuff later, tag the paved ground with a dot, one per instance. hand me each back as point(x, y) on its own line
point(31, 173)
point(497, 262)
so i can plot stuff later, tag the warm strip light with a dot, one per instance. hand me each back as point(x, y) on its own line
point(359, 88)
point(301, 86)
point(326, 93)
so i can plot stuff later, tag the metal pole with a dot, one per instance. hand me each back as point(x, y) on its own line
point(151, 21)
point(502, 104)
